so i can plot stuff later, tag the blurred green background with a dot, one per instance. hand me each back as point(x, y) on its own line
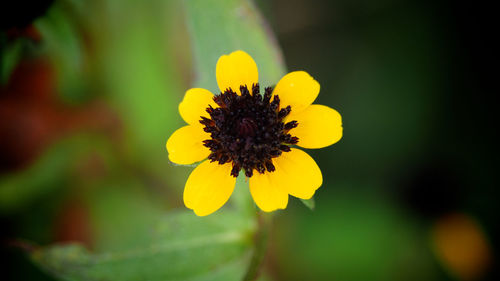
point(88, 97)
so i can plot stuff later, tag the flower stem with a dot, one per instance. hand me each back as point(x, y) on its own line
point(259, 252)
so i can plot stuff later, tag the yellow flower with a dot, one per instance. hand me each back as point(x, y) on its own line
point(241, 129)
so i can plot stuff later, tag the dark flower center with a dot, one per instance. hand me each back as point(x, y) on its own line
point(248, 130)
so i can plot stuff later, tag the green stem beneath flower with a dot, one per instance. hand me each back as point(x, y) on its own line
point(261, 238)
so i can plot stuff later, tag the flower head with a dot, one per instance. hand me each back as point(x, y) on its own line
point(242, 129)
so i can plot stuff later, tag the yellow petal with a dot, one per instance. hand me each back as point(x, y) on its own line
point(297, 173)
point(319, 126)
point(266, 193)
point(194, 105)
point(185, 146)
point(297, 89)
point(236, 69)
point(208, 187)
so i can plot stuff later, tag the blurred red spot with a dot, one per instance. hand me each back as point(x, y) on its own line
point(26, 122)
point(461, 246)
point(30, 32)
point(73, 224)
point(32, 116)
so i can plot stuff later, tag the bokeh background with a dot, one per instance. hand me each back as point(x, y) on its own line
point(89, 93)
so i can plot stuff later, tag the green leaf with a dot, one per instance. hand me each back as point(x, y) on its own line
point(10, 54)
point(223, 26)
point(182, 247)
point(309, 203)
point(140, 77)
point(64, 47)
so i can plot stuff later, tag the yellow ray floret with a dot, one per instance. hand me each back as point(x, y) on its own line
point(236, 69)
point(319, 126)
point(297, 89)
point(208, 188)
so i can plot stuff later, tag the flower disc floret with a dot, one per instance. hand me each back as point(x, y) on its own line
point(248, 130)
